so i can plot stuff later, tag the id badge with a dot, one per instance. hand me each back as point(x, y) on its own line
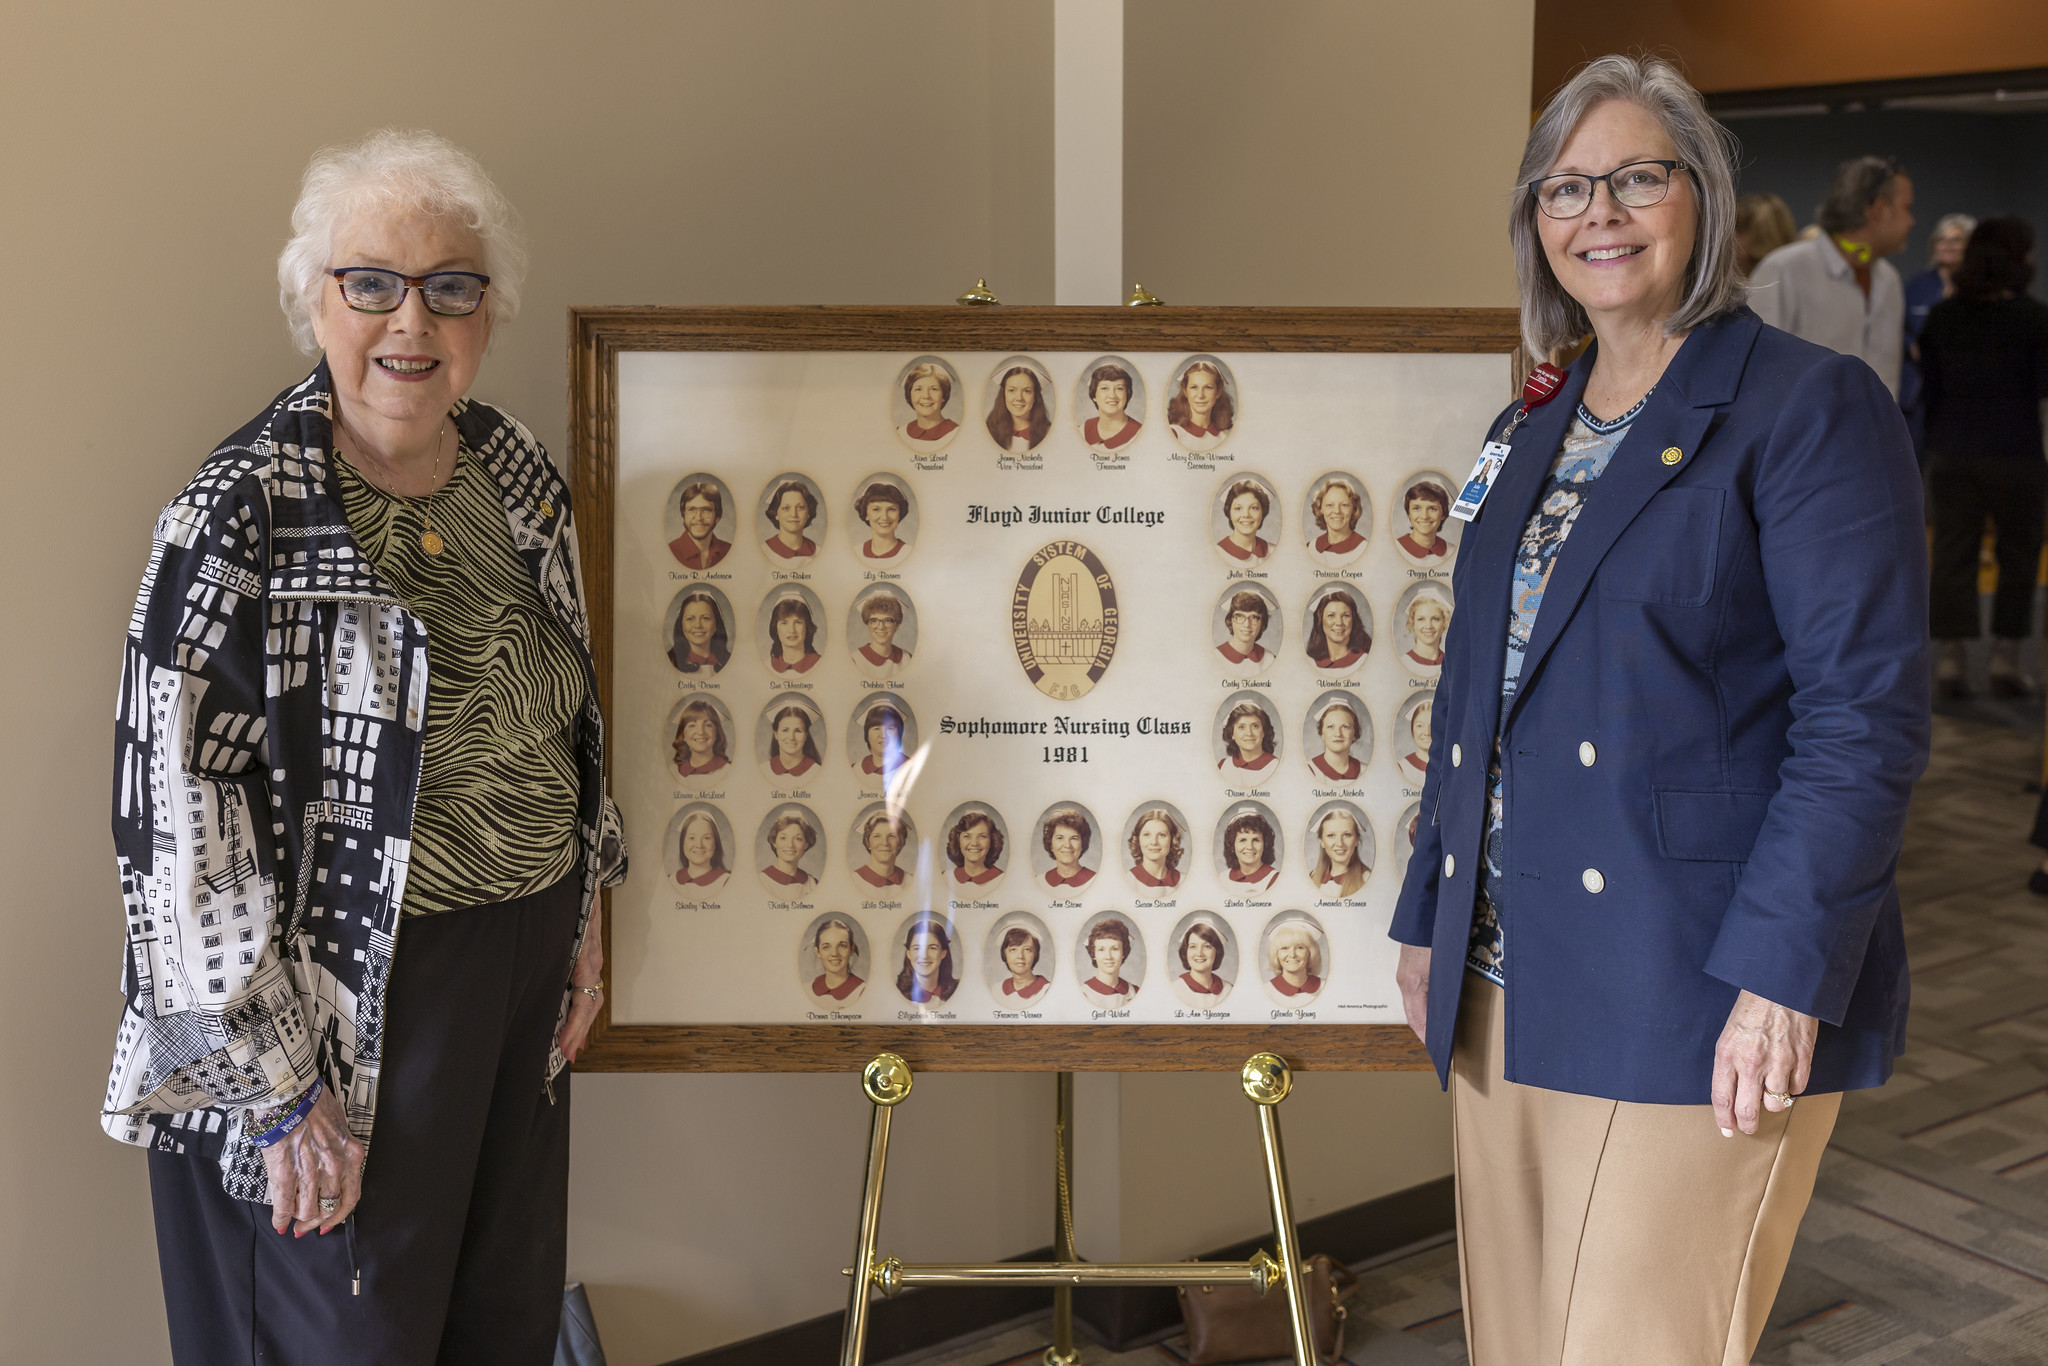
point(1480, 482)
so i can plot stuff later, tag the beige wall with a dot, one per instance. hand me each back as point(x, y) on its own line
point(1323, 151)
point(767, 152)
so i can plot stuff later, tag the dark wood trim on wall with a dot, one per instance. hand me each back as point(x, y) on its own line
point(1875, 94)
point(1117, 1318)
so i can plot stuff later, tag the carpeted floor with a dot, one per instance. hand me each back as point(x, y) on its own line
point(1927, 1240)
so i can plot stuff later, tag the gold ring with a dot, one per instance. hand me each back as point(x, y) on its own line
point(1784, 1101)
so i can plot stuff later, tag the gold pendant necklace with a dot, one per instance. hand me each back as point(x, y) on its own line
point(431, 541)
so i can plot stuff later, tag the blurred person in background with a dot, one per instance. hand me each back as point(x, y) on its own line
point(1763, 223)
point(1836, 289)
point(1984, 374)
point(1923, 292)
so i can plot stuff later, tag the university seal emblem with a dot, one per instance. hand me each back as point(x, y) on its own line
point(1063, 618)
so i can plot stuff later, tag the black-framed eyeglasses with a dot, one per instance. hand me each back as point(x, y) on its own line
point(450, 293)
point(1637, 185)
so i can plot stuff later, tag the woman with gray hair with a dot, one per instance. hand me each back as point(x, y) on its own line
point(360, 817)
point(1650, 931)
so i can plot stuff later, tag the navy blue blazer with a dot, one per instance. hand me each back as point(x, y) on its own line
point(1722, 711)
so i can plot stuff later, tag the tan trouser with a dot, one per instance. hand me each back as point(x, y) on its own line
point(1595, 1232)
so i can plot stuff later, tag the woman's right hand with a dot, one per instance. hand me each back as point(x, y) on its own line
point(1412, 976)
point(319, 1158)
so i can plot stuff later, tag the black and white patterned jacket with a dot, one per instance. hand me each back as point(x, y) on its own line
point(267, 745)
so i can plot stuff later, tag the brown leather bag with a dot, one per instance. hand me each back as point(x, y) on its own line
point(1237, 1323)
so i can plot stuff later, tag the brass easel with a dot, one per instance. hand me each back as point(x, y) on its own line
point(887, 1082)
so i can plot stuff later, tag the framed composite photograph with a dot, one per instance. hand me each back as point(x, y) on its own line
point(1017, 688)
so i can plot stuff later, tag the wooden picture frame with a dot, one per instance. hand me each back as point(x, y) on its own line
point(598, 336)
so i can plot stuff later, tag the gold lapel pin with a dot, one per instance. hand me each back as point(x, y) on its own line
point(1672, 455)
point(547, 509)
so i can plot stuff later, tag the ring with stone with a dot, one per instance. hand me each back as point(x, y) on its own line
point(329, 1204)
point(1784, 1100)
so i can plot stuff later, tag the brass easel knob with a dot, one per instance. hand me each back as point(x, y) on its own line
point(1142, 297)
point(887, 1079)
point(1268, 1268)
point(887, 1276)
point(1267, 1079)
point(978, 295)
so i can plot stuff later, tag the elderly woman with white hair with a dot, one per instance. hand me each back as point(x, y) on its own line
point(360, 818)
point(1651, 931)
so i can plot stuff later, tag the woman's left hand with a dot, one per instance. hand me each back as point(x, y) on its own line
point(1765, 1051)
point(589, 972)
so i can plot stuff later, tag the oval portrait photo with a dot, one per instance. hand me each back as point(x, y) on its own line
point(881, 851)
point(700, 736)
point(1424, 533)
point(1411, 738)
point(1018, 961)
point(1110, 960)
point(926, 959)
point(1336, 630)
point(1201, 404)
point(1295, 954)
point(927, 405)
point(881, 631)
point(882, 733)
point(1019, 403)
point(1336, 519)
point(1244, 521)
point(1202, 955)
point(789, 740)
point(1422, 617)
point(1246, 739)
point(1245, 629)
point(1341, 844)
point(700, 521)
point(885, 520)
point(1155, 845)
point(790, 520)
point(832, 956)
point(1405, 832)
point(1066, 849)
point(1109, 404)
point(699, 848)
point(977, 849)
point(790, 627)
point(1247, 851)
point(697, 630)
point(1337, 737)
point(790, 850)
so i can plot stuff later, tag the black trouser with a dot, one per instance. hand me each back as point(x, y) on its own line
point(1962, 491)
point(462, 1233)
